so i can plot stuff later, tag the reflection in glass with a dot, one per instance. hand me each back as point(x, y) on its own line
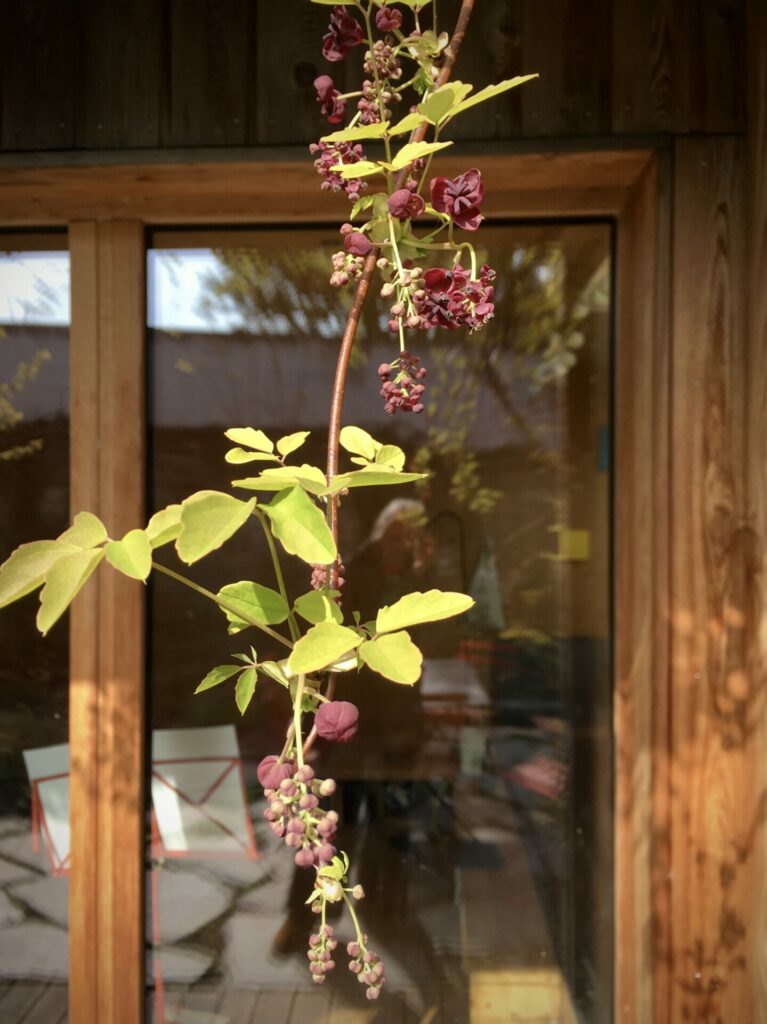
point(477, 805)
point(34, 503)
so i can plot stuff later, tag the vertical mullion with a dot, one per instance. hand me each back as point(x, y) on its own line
point(83, 660)
point(120, 795)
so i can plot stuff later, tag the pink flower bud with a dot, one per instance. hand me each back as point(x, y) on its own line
point(271, 772)
point(337, 721)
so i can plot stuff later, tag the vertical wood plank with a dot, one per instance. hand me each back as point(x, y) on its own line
point(715, 84)
point(571, 50)
point(38, 56)
point(119, 85)
point(642, 67)
point(641, 601)
point(121, 271)
point(210, 95)
point(83, 646)
point(756, 441)
point(294, 59)
point(716, 703)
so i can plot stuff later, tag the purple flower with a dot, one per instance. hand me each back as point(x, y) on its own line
point(357, 244)
point(271, 771)
point(460, 197)
point(388, 19)
point(343, 33)
point(332, 104)
point(404, 204)
point(401, 387)
point(337, 721)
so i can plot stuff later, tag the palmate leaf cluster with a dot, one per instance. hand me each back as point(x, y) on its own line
point(290, 501)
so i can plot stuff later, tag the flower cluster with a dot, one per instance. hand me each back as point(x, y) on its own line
point(294, 813)
point(401, 386)
point(330, 155)
point(368, 967)
point(383, 61)
point(452, 299)
point(322, 945)
point(320, 576)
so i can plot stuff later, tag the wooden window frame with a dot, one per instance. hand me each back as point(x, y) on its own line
point(106, 210)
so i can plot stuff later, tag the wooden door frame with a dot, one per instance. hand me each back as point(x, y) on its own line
point(106, 209)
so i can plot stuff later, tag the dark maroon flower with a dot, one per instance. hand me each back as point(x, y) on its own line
point(449, 298)
point(332, 104)
point(271, 771)
point(460, 198)
point(337, 721)
point(343, 33)
point(401, 387)
point(404, 204)
point(357, 244)
point(388, 19)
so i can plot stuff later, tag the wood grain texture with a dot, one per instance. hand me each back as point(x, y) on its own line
point(756, 439)
point(274, 192)
point(37, 75)
point(643, 75)
point(121, 270)
point(641, 599)
point(83, 625)
point(119, 86)
point(717, 703)
point(208, 67)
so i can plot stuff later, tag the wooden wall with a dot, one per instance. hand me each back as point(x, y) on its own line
point(148, 74)
point(82, 81)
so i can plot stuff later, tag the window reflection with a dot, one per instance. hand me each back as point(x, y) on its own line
point(477, 805)
point(34, 499)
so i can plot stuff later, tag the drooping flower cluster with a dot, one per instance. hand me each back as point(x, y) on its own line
point(331, 155)
point(368, 967)
point(401, 387)
point(294, 813)
point(383, 61)
point(322, 945)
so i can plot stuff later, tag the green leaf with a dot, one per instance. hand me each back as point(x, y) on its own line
point(245, 688)
point(489, 92)
point(321, 646)
point(362, 169)
point(250, 438)
point(358, 132)
point(342, 3)
point(358, 442)
point(208, 519)
point(300, 527)
point(413, 609)
point(393, 656)
point(86, 532)
point(413, 4)
point(278, 478)
point(390, 455)
point(237, 456)
point(277, 670)
point(372, 476)
point(164, 526)
point(442, 100)
point(318, 606)
point(217, 675)
point(132, 555)
point(256, 604)
point(291, 442)
point(362, 204)
point(408, 124)
point(414, 151)
point(26, 568)
point(62, 585)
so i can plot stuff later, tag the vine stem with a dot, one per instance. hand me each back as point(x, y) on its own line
point(226, 605)
point(352, 323)
point(297, 709)
point(292, 624)
point(355, 919)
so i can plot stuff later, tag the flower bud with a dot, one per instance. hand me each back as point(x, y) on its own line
point(337, 721)
point(271, 772)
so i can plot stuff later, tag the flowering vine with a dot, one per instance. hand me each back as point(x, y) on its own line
point(433, 280)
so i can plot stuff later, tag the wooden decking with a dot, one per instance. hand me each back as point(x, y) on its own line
point(33, 1003)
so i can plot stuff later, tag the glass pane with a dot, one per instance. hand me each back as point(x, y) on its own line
point(34, 503)
point(476, 806)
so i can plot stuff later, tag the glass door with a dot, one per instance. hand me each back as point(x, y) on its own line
point(478, 804)
point(34, 675)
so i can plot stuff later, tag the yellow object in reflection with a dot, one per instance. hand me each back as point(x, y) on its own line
point(573, 545)
point(521, 995)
